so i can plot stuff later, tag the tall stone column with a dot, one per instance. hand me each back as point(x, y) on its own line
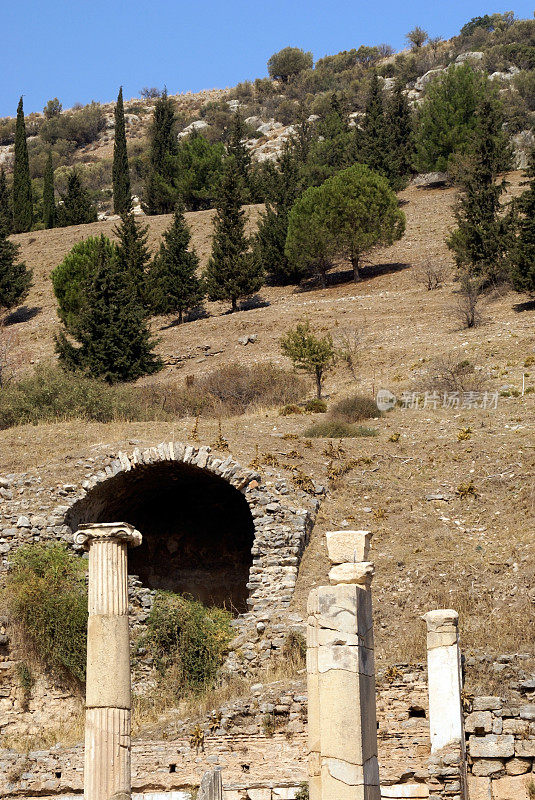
point(341, 676)
point(107, 771)
point(448, 752)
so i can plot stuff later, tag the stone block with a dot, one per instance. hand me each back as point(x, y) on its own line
point(483, 767)
point(486, 703)
point(258, 794)
point(510, 788)
point(360, 573)
point(479, 788)
point(340, 692)
point(285, 793)
point(518, 766)
point(525, 748)
point(348, 546)
point(527, 712)
point(478, 722)
point(492, 746)
point(415, 791)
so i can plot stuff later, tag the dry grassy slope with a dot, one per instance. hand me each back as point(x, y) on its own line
point(475, 554)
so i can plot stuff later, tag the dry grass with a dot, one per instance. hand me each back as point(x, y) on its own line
point(67, 733)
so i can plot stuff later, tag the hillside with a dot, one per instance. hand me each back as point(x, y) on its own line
point(431, 547)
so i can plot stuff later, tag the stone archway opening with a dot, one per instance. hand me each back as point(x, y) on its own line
point(197, 529)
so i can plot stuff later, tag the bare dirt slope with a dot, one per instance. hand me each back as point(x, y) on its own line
point(475, 554)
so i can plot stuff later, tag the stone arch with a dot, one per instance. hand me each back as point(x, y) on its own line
point(260, 556)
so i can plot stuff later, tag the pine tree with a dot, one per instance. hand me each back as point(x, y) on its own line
point(483, 238)
point(236, 148)
point(6, 215)
point(133, 253)
point(114, 341)
point(174, 285)
point(161, 194)
point(523, 252)
point(270, 239)
point(77, 208)
point(22, 185)
point(122, 198)
point(401, 139)
point(333, 149)
point(15, 278)
point(232, 272)
point(49, 204)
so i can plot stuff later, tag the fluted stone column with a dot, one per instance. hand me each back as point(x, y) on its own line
point(107, 771)
point(341, 676)
point(446, 723)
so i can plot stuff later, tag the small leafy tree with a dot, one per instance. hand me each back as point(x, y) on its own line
point(122, 198)
point(15, 277)
point(288, 62)
point(113, 339)
point(309, 353)
point(199, 166)
point(52, 109)
point(417, 37)
point(346, 216)
point(523, 252)
point(232, 272)
point(77, 207)
point(22, 185)
point(49, 203)
point(173, 283)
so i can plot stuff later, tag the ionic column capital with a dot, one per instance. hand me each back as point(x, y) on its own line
point(107, 532)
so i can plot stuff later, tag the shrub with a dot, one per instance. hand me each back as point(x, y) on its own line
point(291, 408)
point(335, 429)
point(288, 62)
point(452, 374)
point(47, 595)
point(316, 406)
point(187, 640)
point(354, 409)
point(303, 792)
point(239, 388)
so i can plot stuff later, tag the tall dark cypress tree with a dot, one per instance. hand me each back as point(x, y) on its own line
point(133, 253)
point(77, 208)
point(22, 185)
point(401, 139)
point(523, 252)
point(15, 277)
point(49, 203)
point(174, 285)
point(232, 273)
point(375, 146)
point(236, 147)
point(282, 183)
point(484, 234)
point(122, 198)
point(114, 341)
point(6, 214)
point(161, 193)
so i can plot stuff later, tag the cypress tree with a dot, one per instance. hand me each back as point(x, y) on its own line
point(122, 198)
point(161, 194)
point(523, 253)
point(173, 281)
point(133, 253)
point(242, 157)
point(270, 240)
point(114, 341)
point(49, 204)
point(22, 185)
point(15, 277)
point(231, 272)
point(77, 208)
point(6, 215)
point(482, 240)
point(375, 145)
point(400, 139)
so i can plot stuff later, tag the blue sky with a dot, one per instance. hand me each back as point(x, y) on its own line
point(79, 50)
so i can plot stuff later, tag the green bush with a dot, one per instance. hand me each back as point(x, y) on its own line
point(316, 406)
point(354, 409)
point(335, 429)
point(187, 640)
point(47, 596)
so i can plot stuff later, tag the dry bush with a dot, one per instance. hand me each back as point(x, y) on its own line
point(430, 275)
point(451, 374)
point(468, 308)
point(355, 409)
point(238, 388)
point(349, 344)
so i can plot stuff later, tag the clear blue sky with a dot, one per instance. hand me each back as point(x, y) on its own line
point(79, 50)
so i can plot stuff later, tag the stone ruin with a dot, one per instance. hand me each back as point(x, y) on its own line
point(425, 742)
